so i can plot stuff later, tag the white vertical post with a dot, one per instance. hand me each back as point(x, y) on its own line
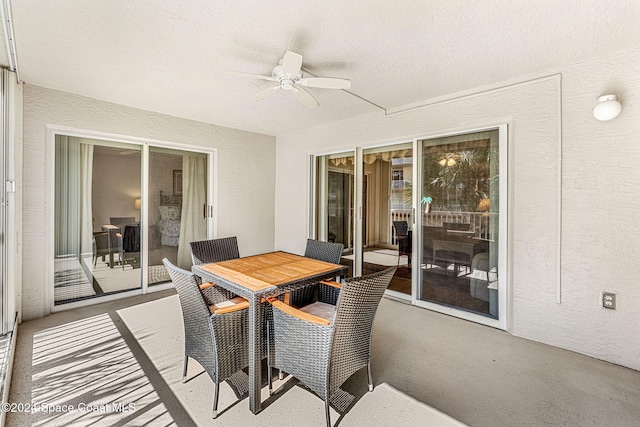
point(212, 195)
point(416, 234)
point(322, 184)
point(357, 238)
point(144, 217)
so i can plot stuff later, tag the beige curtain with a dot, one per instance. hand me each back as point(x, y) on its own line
point(73, 207)
point(193, 225)
point(86, 206)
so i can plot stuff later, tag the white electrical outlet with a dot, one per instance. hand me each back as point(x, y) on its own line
point(609, 300)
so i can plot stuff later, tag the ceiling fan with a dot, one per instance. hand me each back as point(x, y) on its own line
point(289, 76)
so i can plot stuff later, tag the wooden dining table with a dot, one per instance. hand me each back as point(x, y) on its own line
point(260, 276)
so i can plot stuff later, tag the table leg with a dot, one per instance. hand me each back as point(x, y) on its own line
point(255, 359)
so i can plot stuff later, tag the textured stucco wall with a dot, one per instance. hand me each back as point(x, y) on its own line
point(245, 176)
point(600, 204)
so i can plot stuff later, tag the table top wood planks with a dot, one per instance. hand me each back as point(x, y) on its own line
point(260, 272)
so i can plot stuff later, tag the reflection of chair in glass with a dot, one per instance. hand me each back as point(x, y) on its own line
point(323, 352)
point(404, 240)
point(121, 220)
point(100, 245)
point(322, 251)
point(117, 235)
point(215, 335)
point(483, 282)
point(429, 234)
point(479, 286)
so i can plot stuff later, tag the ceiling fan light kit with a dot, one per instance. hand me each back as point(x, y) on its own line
point(289, 76)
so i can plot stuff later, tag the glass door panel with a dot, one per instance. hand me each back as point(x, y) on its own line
point(334, 202)
point(459, 220)
point(97, 231)
point(107, 230)
point(386, 213)
point(177, 196)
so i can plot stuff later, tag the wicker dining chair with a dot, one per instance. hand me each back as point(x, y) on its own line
point(225, 249)
point(323, 352)
point(322, 251)
point(214, 250)
point(215, 335)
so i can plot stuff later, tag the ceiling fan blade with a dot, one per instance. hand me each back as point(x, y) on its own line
point(265, 93)
point(291, 63)
point(325, 82)
point(253, 76)
point(305, 97)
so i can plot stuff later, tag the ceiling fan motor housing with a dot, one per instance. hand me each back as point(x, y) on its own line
point(287, 81)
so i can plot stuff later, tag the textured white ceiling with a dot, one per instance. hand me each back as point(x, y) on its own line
point(169, 55)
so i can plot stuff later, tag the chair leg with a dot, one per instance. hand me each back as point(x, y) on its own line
point(184, 368)
point(216, 393)
point(326, 411)
point(369, 377)
point(269, 380)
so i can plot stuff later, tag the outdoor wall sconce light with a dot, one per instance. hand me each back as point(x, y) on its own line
point(607, 107)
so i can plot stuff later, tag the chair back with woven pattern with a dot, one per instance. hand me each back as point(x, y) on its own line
point(197, 329)
point(215, 250)
point(357, 305)
point(324, 251)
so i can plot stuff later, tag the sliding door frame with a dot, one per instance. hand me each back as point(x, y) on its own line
point(5, 320)
point(144, 144)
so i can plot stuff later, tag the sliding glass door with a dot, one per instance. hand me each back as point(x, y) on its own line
point(459, 216)
point(387, 225)
point(96, 186)
point(119, 209)
point(334, 202)
point(434, 208)
point(177, 215)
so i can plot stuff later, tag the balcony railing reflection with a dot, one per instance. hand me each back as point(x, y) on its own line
point(479, 222)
